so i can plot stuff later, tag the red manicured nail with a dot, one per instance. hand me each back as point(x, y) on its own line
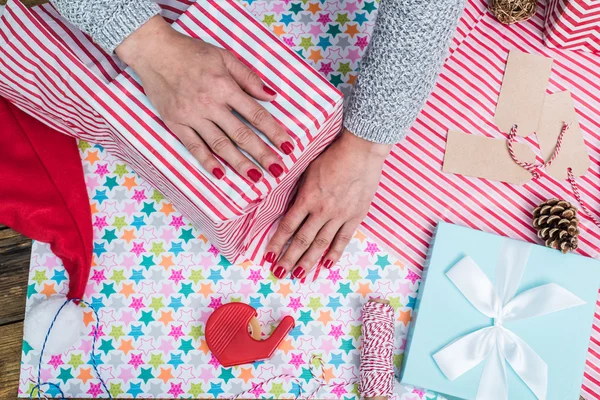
point(279, 272)
point(328, 264)
point(298, 272)
point(254, 174)
point(287, 148)
point(218, 173)
point(270, 257)
point(275, 170)
point(269, 91)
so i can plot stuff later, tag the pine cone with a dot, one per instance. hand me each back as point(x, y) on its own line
point(556, 223)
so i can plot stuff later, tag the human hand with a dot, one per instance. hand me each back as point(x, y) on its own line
point(334, 197)
point(195, 86)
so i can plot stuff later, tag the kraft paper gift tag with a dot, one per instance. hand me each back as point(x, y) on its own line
point(522, 93)
point(559, 109)
point(488, 158)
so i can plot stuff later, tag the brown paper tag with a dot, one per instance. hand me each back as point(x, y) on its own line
point(558, 109)
point(488, 158)
point(522, 93)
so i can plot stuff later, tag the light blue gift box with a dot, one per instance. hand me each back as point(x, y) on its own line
point(442, 314)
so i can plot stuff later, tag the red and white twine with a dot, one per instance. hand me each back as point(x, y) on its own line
point(535, 168)
point(377, 353)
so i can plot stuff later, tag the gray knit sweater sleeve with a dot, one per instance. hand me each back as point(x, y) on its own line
point(108, 22)
point(399, 69)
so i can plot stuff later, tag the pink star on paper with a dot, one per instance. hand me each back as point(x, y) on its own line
point(108, 262)
point(295, 303)
point(166, 346)
point(297, 360)
point(255, 275)
point(336, 331)
point(334, 275)
point(345, 317)
point(215, 302)
point(167, 288)
point(176, 276)
point(98, 276)
point(106, 372)
point(332, 6)
point(324, 18)
point(137, 303)
point(207, 261)
point(277, 8)
point(226, 289)
point(186, 374)
point(175, 389)
point(146, 345)
point(350, 7)
point(384, 289)
point(363, 261)
point(56, 361)
point(167, 234)
point(26, 375)
point(138, 248)
point(51, 261)
point(177, 222)
point(204, 315)
point(127, 317)
point(266, 372)
point(327, 345)
point(95, 389)
point(107, 316)
point(289, 371)
point(207, 374)
point(213, 250)
point(186, 261)
point(372, 248)
point(214, 362)
point(362, 42)
point(130, 208)
point(98, 333)
point(325, 68)
point(86, 346)
point(91, 182)
point(419, 392)
point(348, 374)
point(411, 276)
point(101, 170)
point(147, 289)
point(176, 332)
point(147, 235)
point(402, 344)
point(246, 289)
point(353, 55)
point(99, 222)
point(128, 262)
point(125, 374)
point(266, 316)
point(325, 289)
point(258, 9)
point(315, 30)
point(289, 41)
point(135, 360)
point(339, 391)
point(139, 195)
point(297, 30)
point(46, 374)
point(404, 289)
point(109, 208)
point(306, 345)
point(185, 317)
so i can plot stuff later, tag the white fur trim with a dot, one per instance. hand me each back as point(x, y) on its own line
point(67, 328)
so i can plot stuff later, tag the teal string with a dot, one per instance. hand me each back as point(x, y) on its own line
point(39, 383)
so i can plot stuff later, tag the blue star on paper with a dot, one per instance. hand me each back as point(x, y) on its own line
point(373, 275)
point(187, 235)
point(360, 18)
point(296, 8)
point(296, 332)
point(306, 375)
point(336, 360)
point(31, 290)
point(100, 196)
point(106, 346)
point(146, 317)
point(305, 317)
point(186, 346)
point(109, 235)
point(147, 262)
point(344, 289)
point(382, 261)
point(138, 222)
point(95, 358)
point(265, 289)
point(52, 392)
point(148, 208)
point(226, 374)
point(99, 249)
point(215, 389)
point(215, 275)
point(255, 302)
point(137, 275)
point(224, 262)
point(334, 303)
point(59, 276)
point(97, 303)
point(136, 332)
point(186, 289)
point(108, 289)
point(135, 389)
point(146, 374)
point(286, 19)
point(176, 248)
point(176, 303)
point(347, 346)
point(65, 375)
point(411, 302)
point(296, 389)
point(175, 360)
point(111, 182)
point(324, 42)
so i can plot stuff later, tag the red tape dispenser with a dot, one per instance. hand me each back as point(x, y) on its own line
point(228, 338)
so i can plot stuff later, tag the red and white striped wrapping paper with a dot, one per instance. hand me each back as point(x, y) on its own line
point(573, 25)
point(57, 74)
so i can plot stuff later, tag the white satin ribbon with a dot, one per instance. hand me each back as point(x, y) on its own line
point(496, 344)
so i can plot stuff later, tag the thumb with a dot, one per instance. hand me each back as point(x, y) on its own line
point(248, 80)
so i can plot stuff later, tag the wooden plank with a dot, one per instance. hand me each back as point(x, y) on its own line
point(15, 253)
point(10, 358)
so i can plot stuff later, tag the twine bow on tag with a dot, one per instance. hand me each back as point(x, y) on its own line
point(497, 344)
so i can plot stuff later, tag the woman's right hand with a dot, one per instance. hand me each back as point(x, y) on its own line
point(195, 86)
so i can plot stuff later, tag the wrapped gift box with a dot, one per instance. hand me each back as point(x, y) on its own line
point(57, 74)
point(443, 314)
point(573, 25)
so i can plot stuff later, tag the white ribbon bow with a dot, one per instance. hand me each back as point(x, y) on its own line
point(495, 344)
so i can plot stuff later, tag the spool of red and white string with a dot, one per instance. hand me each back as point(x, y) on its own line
point(377, 353)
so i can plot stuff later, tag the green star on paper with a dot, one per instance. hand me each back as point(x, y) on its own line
point(146, 317)
point(369, 6)
point(65, 375)
point(336, 80)
point(269, 19)
point(347, 346)
point(277, 390)
point(111, 182)
point(116, 332)
point(83, 145)
point(334, 30)
point(395, 302)
point(120, 170)
point(108, 289)
point(106, 346)
point(146, 374)
point(344, 289)
point(315, 303)
point(118, 276)
point(119, 223)
point(76, 360)
point(187, 234)
point(196, 390)
point(33, 391)
point(156, 303)
point(344, 68)
point(398, 360)
point(26, 347)
point(196, 276)
point(355, 389)
point(157, 248)
point(265, 289)
point(226, 374)
point(296, 8)
point(39, 277)
point(354, 275)
point(235, 299)
point(157, 196)
point(186, 346)
point(155, 360)
point(356, 331)
point(272, 278)
point(115, 389)
point(148, 208)
point(342, 18)
point(317, 360)
point(306, 43)
point(196, 332)
point(382, 261)
point(186, 289)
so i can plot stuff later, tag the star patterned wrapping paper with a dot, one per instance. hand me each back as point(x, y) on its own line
point(156, 279)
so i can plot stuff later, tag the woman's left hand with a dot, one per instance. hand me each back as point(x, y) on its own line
point(334, 197)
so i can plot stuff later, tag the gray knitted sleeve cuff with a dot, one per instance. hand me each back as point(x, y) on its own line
point(108, 22)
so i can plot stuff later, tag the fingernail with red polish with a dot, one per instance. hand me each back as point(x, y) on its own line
point(298, 272)
point(269, 91)
point(279, 272)
point(218, 173)
point(328, 264)
point(254, 174)
point(276, 170)
point(270, 257)
point(287, 148)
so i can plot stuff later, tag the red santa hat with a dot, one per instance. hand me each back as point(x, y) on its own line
point(43, 196)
